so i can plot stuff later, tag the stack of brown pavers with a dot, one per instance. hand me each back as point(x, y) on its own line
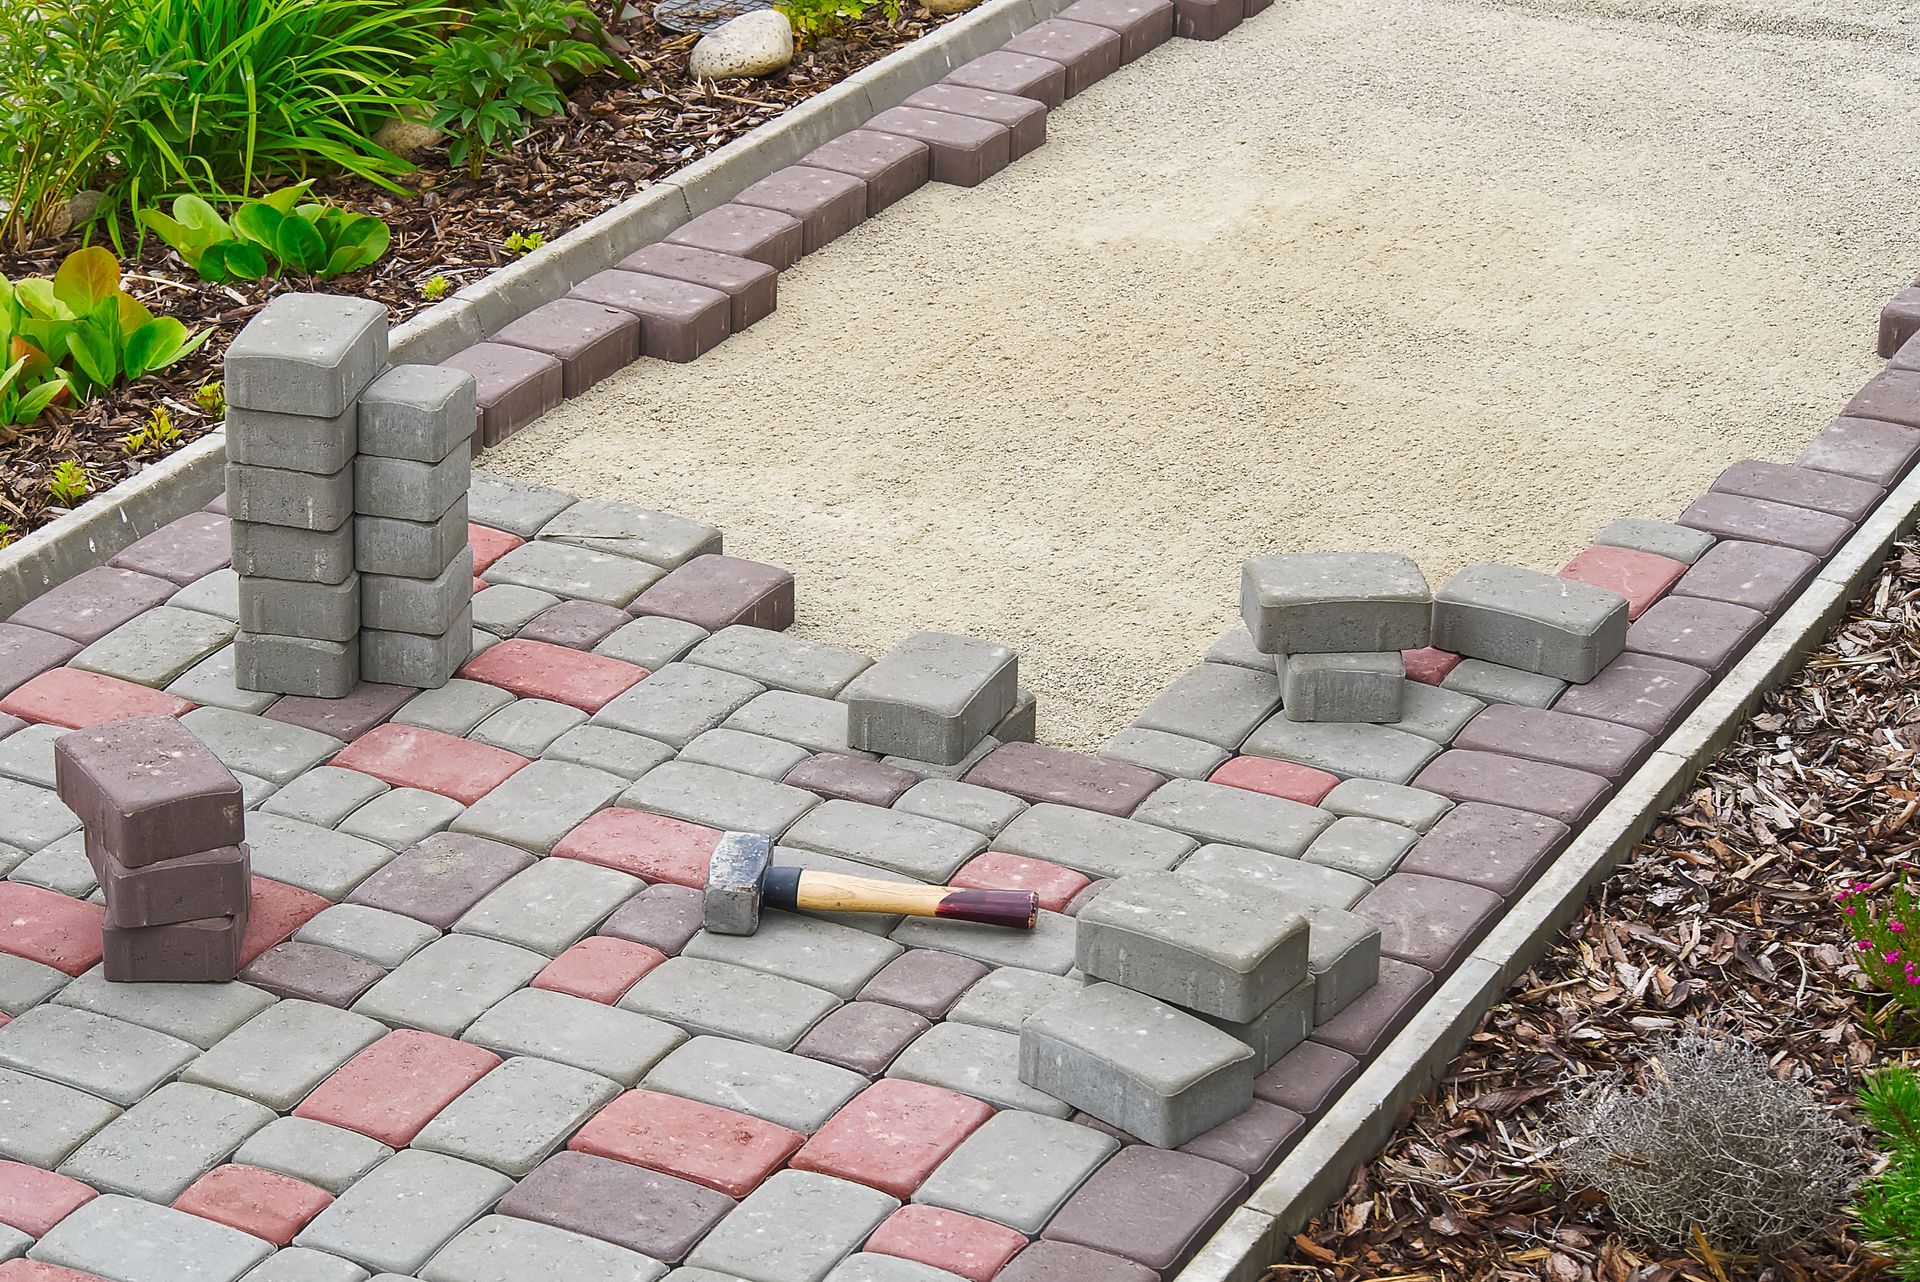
point(165, 836)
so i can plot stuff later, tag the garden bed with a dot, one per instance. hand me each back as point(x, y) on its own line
point(616, 137)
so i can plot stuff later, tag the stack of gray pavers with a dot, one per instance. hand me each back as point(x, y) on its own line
point(346, 485)
point(938, 700)
point(1335, 624)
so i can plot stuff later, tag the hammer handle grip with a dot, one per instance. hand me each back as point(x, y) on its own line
point(834, 892)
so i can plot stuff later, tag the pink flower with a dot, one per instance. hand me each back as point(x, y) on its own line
point(1895, 927)
point(1847, 911)
point(1864, 945)
point(1891, 957)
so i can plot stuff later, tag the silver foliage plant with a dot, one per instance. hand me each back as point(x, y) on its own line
point(1709, 1139)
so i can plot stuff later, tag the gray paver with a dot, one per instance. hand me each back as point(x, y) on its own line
point(906, 844)
point(1342, 687)
point(1215, 703)
point(383, 938)
point(270, 749)
point(61, 867)
point(198, 1013)
point(1277, 1029)
point(528, 726)
point(166, 1142)
point(13, 1243)
point(506, 608)
point(1048, 946)
point(1530, 620)
point(864, 1266)
point(1434, 713)
point(625, 530)
point(133, 1241)
point(404, 1210)
point(307, 556)
point(297, 665)
point(1137, 1064)
point(1334, 602)
point(392, 601)
point(1237, 816)
point(213, 682)
point(32, 818)
point(329, 1157)
point(448, 984)
point(271, 498)
point(968, 805)
point(539, 804)
point(25, 984)
point(1413, 808)
point(1237, 648)
point(933, 697)
point(1369, 848)
point(1168, 754)
point(456, 707)
point(718, 798)
point(781, 661)
point(652, 642)
point(614, 751)
point(1017, 1169)
point(744, 753)
point(298, 1264)
point(152, 649)
point(42, 1121)
point(10, 857)
point(1662, 538)
point(1309, 882)
point(1092, 843)
point(676, 704)
point(818, 725)
point(756, 1240)
point(836, 958)
point(411, 489)
point(317, 611)
point(311, 857)
point(777, 1086)
point(729, 1001)
point(501, 1248)
point(307, 354)
point(416, 412)
point(402, 817)
point(1351, 751)
point(412, 549)
point(617, 1044)
point(574, 573)
point(977, 1061)
point(1002, 999)
point(120, 1062)
point(416, 659)
point(1497, 683)
point(285, 1051)
point(550, 906)
point(518, 507)
point(217, 594)
point(937, 770)
point(27, 754)
point(517, 1115)
point(1344, 956)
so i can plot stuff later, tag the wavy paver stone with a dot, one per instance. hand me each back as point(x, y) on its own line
point(1497, 683)
point(892, 167)
point(828, 203)
point(33, 1200)
point(791, 1091)
point(1024, 119)
point(1343, 749)
point(1016, 1170)
point(644, 845)
point(715, 592)
point(404, 1210)
point(718, 798)
point(620, 1045)
point(1024, 75)
point(1568, 795)
point(663, 917)
point(1497, 847)
point(886, 839)
point(25, 984)
point(864, 1266)
point(187, 548)
point(401, 817)
point(315, 1153)
point(729, 1152)
point(93, 603)
point(679, 321)
point(747, 754)
point(675, 705)
point(1215, 703)
point(1143, 25)
point(1044, 1261)
point(1758, 576)
point(715, 998)
point(1639, 690)
point(1287, 779)
point(1040, 774)
point(657, 1215)
point(513, 386)
point(892, 1135)
point(1598, 747)
point(518, 1115)
point(42, 1121)
point(600, 969)
point(503, 609)
point(614, 751)
point(133, 1241)
point(973, 1060)
point(1530, 620)
point(121, 1063)
point(864, 1037)
point(755, 1240)
point(1089, 53)
point(1211, 812)
point(961, 1245)
point(164, 1143)
point(780, 661)
point(274, 911)
point(521, 508)
point(1334, 602)
point(75, 699)
point(394, 1087)
point(590, 340)
point(1166, 754)
point(965, 151)
point(501, 1248)
point(837, 958)
point(1252, 1142)
point(747, 231)
point(1801, 487)
point(450, 983)
point(549, 906)
point(1641, 577)
point(1863, 448)
point(1711, 635)
point(1730, 516)
point(933, 697)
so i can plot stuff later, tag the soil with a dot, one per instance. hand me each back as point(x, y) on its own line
point(616, 137)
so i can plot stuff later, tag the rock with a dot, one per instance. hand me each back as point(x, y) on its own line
point(77, 211)
point(950, 6)
point(407, 137)
point(753, 44)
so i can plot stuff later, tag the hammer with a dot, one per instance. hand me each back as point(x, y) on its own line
point(742, 878)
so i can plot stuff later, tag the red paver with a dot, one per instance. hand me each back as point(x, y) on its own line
point(489, 545)
point(396, 1086)
point(537, 670)
point(410, 757)
point(264, 1203)
point(600, 969)
point(942, 1239)
point(49, 928)
point(1034, 773)
point(996, 870)
point(924, 981)
point(75, 699)
point(1641, 577)
point(33, 1200)
point(1429, 665)
point(716, 1147)
point(891, 1135)
point(275, 910)
point(651, 847)
point(1303, 784)
point(35, 1271)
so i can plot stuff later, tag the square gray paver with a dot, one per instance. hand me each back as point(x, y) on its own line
point(678, 702)
point(1434, 713)
point(61, 867)
point(836, 958)
point(1167, 754)
point(41, 1121)
point(450, 983)
point(976, 1061)
point(25, 984)
point(756, 1241)
point(402, 817)
point(1369, 848)
point(518, 507)
point(517, 1115)
point(1413, 808)
point(1345, 749)
point(932, 697)
point(133, 1241)
point(777, 1086)
point(652, 642)
point(1214, 703)
point(718, 798)
point(1048, 946)
point(1217, 812)
point(902, 843)
point(615, 751)
point(505, 608)
point(551, 906)
point(212, 683)
point(152, 649)
point(781, 661)
point(324, 796)
point(1092, 843)
point(528, 726)
point(539, 804)
point(285, 1051)
point(968, 805)
point(198, 1013)
point(818, 725)
point(729, 1001)
point(120, 1062)
point(747, 754)
point(501, 1248)
point(217, 594)
point(574, 573)
point(626, 530)
point(329, 1157)
point(456, 707)
point(383, 938)
point(166, 1142)
point(617, 1044)
point(1003, 999)
point(27, 754)
point(404, 1210)
point(1017, 1169)
point(314, 858)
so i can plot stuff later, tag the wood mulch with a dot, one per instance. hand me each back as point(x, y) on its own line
point(1725, 915)
point(615, 138)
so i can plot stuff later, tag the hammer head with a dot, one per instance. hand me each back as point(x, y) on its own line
point(734, 881)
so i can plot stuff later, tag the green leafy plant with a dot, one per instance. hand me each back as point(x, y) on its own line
point(1887, 1204)
point(523, 242)
point(29, 383)
point(69, 482)
point(275, 232)
point(435, 288)
point(813, 19)
point(496, 74)
point(211, 397)
point(85, 326)
point(158, 433)
point(1886, 936)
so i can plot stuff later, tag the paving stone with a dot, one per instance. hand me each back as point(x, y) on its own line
point(1642, 691)
point(1052, 884)
point(1041, 79)
point(836, 958)
point(322, 1155)
point(977, 1061)
point(537, 670)
point(1343, 956)
point(827, 203)
point(528, 727)
point(32, 818)
point(617, 1044)
point(330, 864)
point(441, 878)
point(751, 287)
point(890, 166)
point(661, 917)
point(313, 973)
point(540, 804)
point(165, 1142)
point(25, 984)
point(123, 1238)
point(1149, 1205)
point(655, 1214)
point(1558, 738)
point(789, 1090)
point(819, 725)
point(1496, 847)
point(864, 1037)
point(1017, 1169)
point(201, 1014)
point(755, 1239)
point(1641, 577)
point(301, 556)
point(1892, 395)
point(1214, 812)
point(307, 353)
point(1214, 703)
point(1341, 687)
point(643, 845)
point(298, 665)
point(450, 983)
point(1711, 635)
point(41, 1121)
point(1391, 802)
point(399, 604)
point(892, 1135)
point(1429, 921)
point(1043, 1261)
point(1024, 119)
point(679, 320)
point(1040, 774)
point(964, 151)
point(1897, 321)
point(1529, 620)
point(599, 969)
point(1048, 946)
point(1307, 1079)
point(383, 938)
point(863, 1266)
point(27, 652)
point(1089, 53)
point(61, 867)
point(1433, 713)
point(394, 1087)
point(1863, 448)
point(1354, 751)
point(183, 550)
point(843, 777)
point(1209, 19)
point(727, 1151)
point(903, 843)
point(743, 753)
point(652, 643)
point(710, 997)
point(779, 661)
point(719, 798)
point(505, 608)
point(281, 1054)
point(146, 788)
point(1369, 1021)
point(117, 1061)
point(275, 910)
point(1007, 996)
point(1162, 753)
point(502, 1248)
point(745, 231)
point(517, 1116)
point(933, 697)
point(577, 625)
point(1089, 1052)
point(573, 572)
point(75, 699)
point(416, 412)
point(550, 906)
point(297, 1264)
point(156, 647)
point(512, 386)
point(1659, 538)
point(591, 341)
point(1730, 516)
point(90, 605)
point(259, 746)
point(409, 549)
point(966, 805)
point(1571, 796)
point(1276, 779)
point(1143, 25)
point(455, 708)
point(286, 499)
point(1429, 665)
point(521, 508)
point(32, 1201)
point(1021, 725)
point(1252, 1142)
point(402, 817)
point(613, 751)
point(953, 1244)
point(676, 705)
point(404, 1210)
point(1333, 602)
point(1756, 576)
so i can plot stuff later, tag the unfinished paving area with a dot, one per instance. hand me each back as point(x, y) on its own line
point(1467, 280)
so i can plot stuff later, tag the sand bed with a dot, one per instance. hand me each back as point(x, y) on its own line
point(1464, 280)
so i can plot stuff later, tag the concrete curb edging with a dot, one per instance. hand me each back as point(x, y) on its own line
point(1366, 1116)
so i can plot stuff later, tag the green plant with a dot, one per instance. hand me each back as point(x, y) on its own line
point(69, 482)
point(1887, 1205)
point(435, 288)
point(275, 231)
point(30, 382)
point(497, 73)
point(1886, 936)
point(211, 396)
point(812, 19)
point(85, 327)
point(523, 242)
point(159, 432)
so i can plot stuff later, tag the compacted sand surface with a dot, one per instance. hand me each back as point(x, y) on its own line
point(1467, 280)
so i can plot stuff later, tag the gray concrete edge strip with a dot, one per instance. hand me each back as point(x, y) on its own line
point(1365, 1118)
point(190, 478)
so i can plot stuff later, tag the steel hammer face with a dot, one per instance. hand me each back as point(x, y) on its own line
point(734, 881)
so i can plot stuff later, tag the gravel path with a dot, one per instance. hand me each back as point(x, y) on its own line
point(1468, 280)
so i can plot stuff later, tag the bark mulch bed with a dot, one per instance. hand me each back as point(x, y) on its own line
point(1725, 915)
point(615, 138)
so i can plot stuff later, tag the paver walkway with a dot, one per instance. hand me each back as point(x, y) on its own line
point(1464, 280)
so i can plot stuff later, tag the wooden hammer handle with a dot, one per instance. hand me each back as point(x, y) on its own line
point(834, 892)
